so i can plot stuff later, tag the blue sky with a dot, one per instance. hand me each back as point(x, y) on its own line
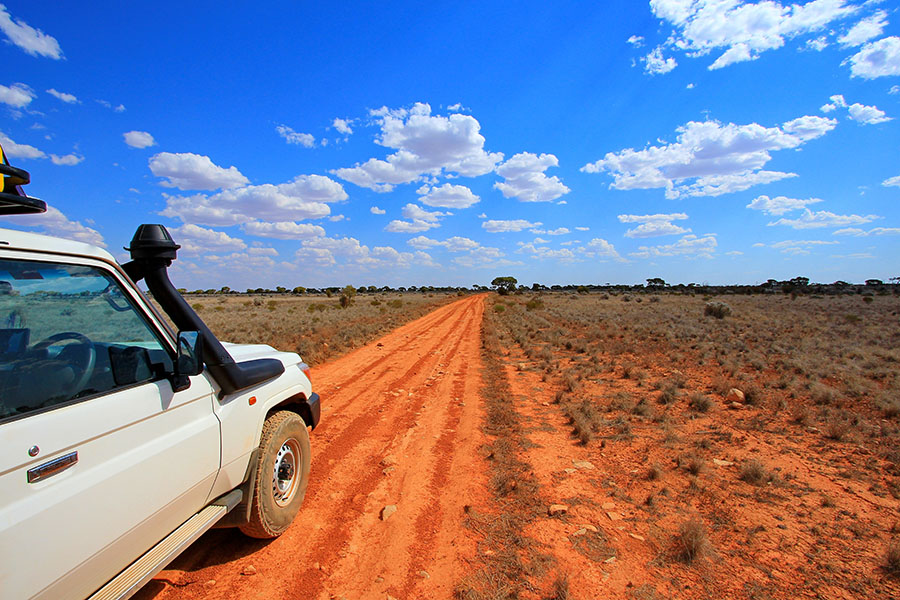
point(708, 141)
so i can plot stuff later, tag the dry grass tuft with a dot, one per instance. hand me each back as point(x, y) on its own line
point(691, 542)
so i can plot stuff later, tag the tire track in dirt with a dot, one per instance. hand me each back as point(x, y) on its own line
point(412, 396)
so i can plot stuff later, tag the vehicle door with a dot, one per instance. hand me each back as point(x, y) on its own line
point(99, 458)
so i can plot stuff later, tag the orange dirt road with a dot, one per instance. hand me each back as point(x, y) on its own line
point(400, 427)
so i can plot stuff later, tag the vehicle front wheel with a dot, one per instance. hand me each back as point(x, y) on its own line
point(281, 476)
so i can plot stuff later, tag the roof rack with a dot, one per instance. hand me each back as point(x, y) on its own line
point(13, 200)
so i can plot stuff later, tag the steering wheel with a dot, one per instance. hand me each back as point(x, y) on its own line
point(81, 355)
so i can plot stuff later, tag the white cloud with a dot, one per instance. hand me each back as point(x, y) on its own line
point(15, 150)
point(837, 101)
point(877, 59)
point(201, 240)
point(893, 181)
point(799, 247)
point(780, 204)
point(67, 98)
point(188, 171)
point(18, 95)
point(690, 245)
point(453, 244)
point(426, 145)
point(419, 220)
point(69, 160)
point(138, 139)
point(543, 252)
point(818, 44)
point(743, 29)
point(499, 226)
point(283, 230)
point(654, 225)
point(636, 40)
point(377, 211)
point(856, 232)
point(865, 30)
point(867, 115)
point(557, 231)
point(33, 41)
point(485, 257)
point(823, 218)
point(55, 223)
point(292, 137)
point(327, 252)
point(525, 178)
point(448, 196)
point(709, 158)
point(655, 64)
point(342, 126)
point(305, 197)
point(582, 229)
point(599, 248)
point(119, 109)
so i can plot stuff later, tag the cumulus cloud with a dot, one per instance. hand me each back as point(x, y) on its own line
point(891, 182)
point(199, 239)
point(55, 223)
point(525, 179)
point(654, 225)
point(305, 197)
point(453, 244)
point(419, 220)
point(119, 109)
point(69, 160)
point(18, 95)
point(709, 158)
point(138, 139)
point(499, 226)
point(188, 171)
point(377, 211)
point(292, 137)
point(867, 115)
point(485, 257)
point(14, 150)
point(818, 44)
point(283, 230)
point(599, 248)
point(837, 101)
point(743, 30)
point(543, 252)
point(691, 246)
point(865, 30)
point(557, 231)
point(67, 98)
point(448, 196)
point(656, 64)
point(636, 40)
point(342, 126)
point(426, 145)
point(823, 218)
point(877, 59)
point(33, 41)
point(328, 252)
point(780, 204)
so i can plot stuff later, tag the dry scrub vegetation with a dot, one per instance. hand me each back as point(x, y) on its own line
point(745, 448)
point(317, 327)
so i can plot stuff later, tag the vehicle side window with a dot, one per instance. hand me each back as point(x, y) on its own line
point(68, 332)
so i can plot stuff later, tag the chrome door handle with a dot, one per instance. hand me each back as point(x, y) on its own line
point(50, 468)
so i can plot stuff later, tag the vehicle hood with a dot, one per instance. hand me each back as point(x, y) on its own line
point(244, 352)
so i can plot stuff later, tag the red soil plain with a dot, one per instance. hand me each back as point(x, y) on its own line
point(582, 446)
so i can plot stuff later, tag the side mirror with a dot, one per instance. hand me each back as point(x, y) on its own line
point(188, 360)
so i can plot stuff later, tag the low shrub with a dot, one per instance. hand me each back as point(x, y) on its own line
point(719, 310)
point(691, 542)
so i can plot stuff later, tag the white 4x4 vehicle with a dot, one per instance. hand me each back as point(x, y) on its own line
point(120, 441)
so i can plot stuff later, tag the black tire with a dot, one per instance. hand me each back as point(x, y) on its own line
point(282, 473)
